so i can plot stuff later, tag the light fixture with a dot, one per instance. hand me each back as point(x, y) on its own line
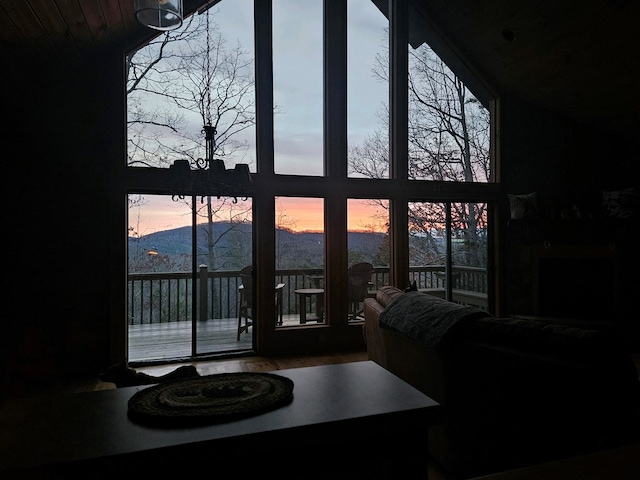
point(210, 177)
point(159, 14)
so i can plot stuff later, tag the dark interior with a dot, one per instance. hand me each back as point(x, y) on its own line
point(576, 288)
point(564, 77)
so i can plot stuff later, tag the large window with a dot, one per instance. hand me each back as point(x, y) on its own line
point(365, 146)
point(299, 256)
point(200, 74)
point(448, 250)
point(368, 251)
point(297, 86)
point(367, 90)
point(448, 126)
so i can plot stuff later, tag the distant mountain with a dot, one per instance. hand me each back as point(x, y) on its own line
point(294, 249)
point(178, 241)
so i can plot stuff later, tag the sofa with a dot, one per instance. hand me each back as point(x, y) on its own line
point(515, 392)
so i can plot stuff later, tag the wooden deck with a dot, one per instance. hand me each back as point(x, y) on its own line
point(163, 341)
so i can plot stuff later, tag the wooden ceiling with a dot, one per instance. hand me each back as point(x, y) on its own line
point(580, 59)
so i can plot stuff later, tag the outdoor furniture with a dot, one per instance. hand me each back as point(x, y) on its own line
point(245, 301)
point(305, 293)
point(358, 288)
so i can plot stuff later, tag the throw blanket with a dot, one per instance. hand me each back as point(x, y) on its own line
point(426, 319)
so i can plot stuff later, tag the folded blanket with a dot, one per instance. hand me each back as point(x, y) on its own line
point(425, 318)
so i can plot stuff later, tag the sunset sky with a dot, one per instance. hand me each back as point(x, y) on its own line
point(306, 214)
point(158, 213)
point(298, 125)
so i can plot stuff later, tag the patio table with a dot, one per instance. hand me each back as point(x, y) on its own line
point(305, 293)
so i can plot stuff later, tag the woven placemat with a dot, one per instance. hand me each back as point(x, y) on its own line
point(209, 399)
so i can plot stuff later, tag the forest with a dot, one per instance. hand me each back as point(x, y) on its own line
point(171, 250)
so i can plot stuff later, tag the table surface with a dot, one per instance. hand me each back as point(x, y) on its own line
point(309, 291)
point(92, 425)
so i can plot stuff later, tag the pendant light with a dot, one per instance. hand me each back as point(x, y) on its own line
point(159, 14)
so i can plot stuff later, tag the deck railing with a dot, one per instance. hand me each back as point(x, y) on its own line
point(162, 297)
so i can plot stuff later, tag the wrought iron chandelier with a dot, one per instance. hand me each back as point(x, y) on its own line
point(210, 177)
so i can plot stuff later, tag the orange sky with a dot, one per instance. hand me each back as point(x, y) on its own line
point(299, 214)
point(306, 214)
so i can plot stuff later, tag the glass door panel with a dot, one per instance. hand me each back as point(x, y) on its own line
point(180, 304)
point(448, 250)
point(224, 247)
point(469, 253)
point(159, 308)
point(428, 246)
point(368, 251)
point(300, 258)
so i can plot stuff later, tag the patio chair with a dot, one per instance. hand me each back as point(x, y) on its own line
point(359, 275)
point(245, 301)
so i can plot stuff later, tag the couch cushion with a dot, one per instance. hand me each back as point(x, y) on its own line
point(523, 333)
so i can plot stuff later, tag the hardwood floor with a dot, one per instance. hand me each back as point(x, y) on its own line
point(241, 364)
point(260, 364)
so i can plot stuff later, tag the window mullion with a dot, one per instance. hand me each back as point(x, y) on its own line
point(398, 135)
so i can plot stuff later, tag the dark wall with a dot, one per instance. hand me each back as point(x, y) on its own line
point(63, 146)
point(568, 167)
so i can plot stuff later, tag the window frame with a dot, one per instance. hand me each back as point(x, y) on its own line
point(335, 186)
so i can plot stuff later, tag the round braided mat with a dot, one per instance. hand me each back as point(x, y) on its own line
point(214, 398)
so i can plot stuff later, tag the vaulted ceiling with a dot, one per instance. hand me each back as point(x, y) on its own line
point(578, 59)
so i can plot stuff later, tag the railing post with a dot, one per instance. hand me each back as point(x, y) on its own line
point(203, 293)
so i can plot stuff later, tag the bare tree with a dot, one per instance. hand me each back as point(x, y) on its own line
point(448, 138)
point(448, 141)
point(152, 123)
point(284, 235)
point(178, 83)
point(447, 125)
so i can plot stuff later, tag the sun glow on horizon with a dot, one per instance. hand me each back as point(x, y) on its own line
point(156, 213)
point(301, 215)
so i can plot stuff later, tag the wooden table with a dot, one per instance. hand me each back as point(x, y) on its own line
point(345, 416)
point(305, 293)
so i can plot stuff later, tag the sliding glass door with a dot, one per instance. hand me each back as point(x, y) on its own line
point(184, 275)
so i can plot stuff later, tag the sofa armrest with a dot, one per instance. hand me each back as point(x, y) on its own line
point(372, 334)
point(420, 367)
point(387, 294)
